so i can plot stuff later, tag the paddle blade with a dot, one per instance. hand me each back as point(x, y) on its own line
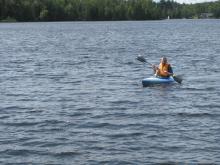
point(178, 78)
point(141, 58)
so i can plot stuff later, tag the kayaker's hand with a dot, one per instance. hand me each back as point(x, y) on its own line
point(170, 74)
point(155, 67)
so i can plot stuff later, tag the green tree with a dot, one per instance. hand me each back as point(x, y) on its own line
point(71, 10)
point(44, 15)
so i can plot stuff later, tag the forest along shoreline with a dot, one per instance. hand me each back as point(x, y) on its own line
point(105, 10)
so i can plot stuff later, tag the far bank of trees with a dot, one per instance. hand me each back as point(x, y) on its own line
point(80, 10)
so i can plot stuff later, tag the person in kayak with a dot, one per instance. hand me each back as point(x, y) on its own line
point(164, 69)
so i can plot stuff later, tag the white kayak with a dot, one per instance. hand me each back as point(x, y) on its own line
point(157, 80)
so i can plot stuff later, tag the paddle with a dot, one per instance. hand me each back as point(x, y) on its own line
point(175, 77)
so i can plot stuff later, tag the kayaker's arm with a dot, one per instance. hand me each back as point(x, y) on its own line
point(170, 74)
point(155, 68)
point(170, 70)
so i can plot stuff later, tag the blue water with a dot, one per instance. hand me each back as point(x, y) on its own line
point(71, 93)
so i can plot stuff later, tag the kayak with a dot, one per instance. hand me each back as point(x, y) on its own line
point(157, 80)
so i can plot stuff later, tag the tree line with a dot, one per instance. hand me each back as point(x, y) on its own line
point(98, 10)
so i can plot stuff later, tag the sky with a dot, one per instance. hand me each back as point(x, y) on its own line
point(191, 1)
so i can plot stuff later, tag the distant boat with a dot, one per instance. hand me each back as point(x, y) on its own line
point(168, 17)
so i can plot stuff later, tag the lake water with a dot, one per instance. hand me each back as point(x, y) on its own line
point(71, 93)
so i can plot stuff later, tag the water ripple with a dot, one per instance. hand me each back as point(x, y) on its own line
point(71, 93)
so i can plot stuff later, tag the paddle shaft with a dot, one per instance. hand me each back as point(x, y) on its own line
point(148, 63)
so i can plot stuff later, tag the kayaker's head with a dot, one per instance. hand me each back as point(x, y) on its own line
point(163, 60)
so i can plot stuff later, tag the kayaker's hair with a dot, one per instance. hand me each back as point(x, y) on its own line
point(164, 58)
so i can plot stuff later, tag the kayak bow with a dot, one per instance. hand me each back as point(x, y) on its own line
point(157, 80)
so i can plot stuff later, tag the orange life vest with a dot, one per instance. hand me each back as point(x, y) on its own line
point(163, 69)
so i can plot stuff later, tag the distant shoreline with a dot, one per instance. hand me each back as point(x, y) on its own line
point(104, 10)
point(2, 22)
